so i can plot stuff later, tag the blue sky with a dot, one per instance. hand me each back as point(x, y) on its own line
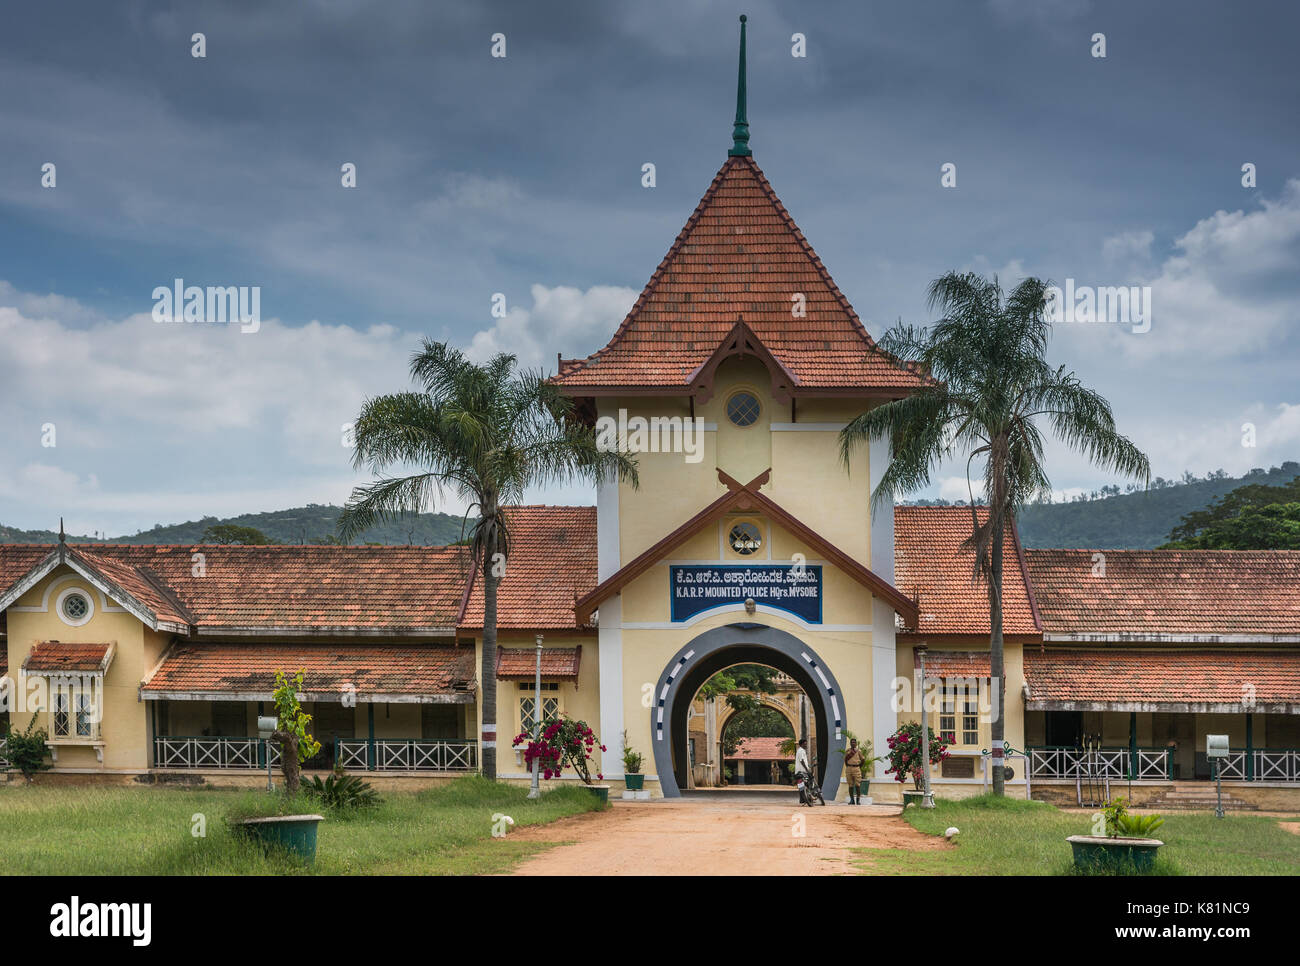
point(522, 175)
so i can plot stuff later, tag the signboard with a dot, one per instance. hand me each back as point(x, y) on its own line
point(1216, 746)
point(696, 589)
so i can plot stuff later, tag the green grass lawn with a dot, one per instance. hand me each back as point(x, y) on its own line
point(65, 830)
point(1012, 837)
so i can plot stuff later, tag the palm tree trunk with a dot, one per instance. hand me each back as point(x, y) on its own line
point(996, 663)
point(488, 668)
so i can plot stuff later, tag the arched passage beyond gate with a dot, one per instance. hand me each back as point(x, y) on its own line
point(741, 643)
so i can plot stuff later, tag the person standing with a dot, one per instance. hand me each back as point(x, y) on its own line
point(853, 762)
point(802, 769)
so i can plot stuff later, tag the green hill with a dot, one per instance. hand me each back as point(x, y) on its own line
point(1139, 520)
point(313, 523)
point(1134, 521)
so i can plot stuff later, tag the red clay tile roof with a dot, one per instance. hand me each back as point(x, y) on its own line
point(954, 664)
point(137, 581)
point(1155, 677)
point(18, 559)
point(48, 656)
point(1207, 593)
point(552, 562)
point(740, 257)
point(297, 589)
point(929, 563)
point(759, 749)
point(520, 663)
point(379, 669)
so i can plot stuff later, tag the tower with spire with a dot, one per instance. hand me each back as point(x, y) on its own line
point(740, 131)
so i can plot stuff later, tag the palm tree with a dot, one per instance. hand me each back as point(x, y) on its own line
point(483, 434)
point(991, 383)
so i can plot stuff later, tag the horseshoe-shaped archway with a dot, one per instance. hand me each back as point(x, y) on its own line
point(741, 643)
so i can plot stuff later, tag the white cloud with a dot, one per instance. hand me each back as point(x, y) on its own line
point(1128, 246)
point(562, 319)
point(157, 422)
point(956, 488)
point(1233, 287)
point(1218, 444)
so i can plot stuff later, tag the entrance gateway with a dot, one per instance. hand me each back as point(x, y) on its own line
point(742, 643)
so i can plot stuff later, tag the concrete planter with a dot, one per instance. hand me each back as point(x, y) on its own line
point(1100, 853)
point(634, 782)
point(295, 834)
point(600, 791)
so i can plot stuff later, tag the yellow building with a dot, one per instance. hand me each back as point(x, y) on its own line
point(748, 540)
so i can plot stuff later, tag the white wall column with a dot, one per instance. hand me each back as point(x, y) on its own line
point(884, 654)
point(610, 630)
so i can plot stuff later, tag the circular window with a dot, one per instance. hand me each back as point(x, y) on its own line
point(743, 409)
point(74, 607)
point(745, 539)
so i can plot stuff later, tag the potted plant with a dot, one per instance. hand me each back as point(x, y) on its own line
point(563, 743)
point(278, 823)
point(1125, 845)
point(632, 777)
point(905, 758)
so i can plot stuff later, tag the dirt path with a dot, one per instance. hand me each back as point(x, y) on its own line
point(717, 838)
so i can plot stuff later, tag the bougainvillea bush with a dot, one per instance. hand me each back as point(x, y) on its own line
point(905, 752)
point(563, 743)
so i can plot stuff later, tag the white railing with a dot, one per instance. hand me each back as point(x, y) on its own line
point(1233, 766)
point(185, 752)
point(404, 754)
point(1101, 763)
point(1277, 765)
point(1155, 764)
point(4, 762)
point(1269, 765)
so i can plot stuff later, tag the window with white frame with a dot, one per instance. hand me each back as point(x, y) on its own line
point(72, 714)
point(528, 702)
point(959, 710)
point(970, 722)
point(948, 720)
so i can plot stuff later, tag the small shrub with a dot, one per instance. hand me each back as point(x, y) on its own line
point(1138, 826)
point(1114, 812)
point(296, 742)
point(26, 750)
point(905, 752)
point(342, 792)
point(631, 759)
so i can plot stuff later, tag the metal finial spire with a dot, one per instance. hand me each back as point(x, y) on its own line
point(740, 133)
point(62, 537)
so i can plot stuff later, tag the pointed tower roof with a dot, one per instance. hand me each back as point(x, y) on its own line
point(740, 259)
point(740, 279)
